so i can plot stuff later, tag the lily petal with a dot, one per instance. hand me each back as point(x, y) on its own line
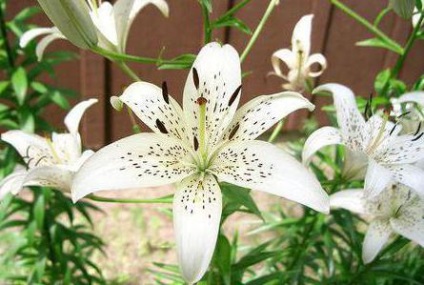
point(42, 45)
point(33, 33)
point(125, 13)
point(261, 113)
point(34, 149)
point(376, 179)
point(73, 118)
point(66, 147)
point(141, 160)
point(402, 149)
point(377, 235)
point(415, 97)
point(286, 56)
point(104, 19)
point(322, 137)
point(409, 175)
point(159, 111)
point(197, 214)
point(350, 199)
point(13, 182)
point(218, 79)
point(319, 59)
point(349, 118)
point(355, 165)
point(262, 166)
point(81, 160)
point(409, 222)
point(50, 176)
point(301, 38)
point(72, 18)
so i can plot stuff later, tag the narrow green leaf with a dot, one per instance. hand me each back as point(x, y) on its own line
point(377, 42)
point(39, 211)
point(20, 84)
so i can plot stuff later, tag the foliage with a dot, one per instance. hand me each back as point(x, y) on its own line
point(43, 236)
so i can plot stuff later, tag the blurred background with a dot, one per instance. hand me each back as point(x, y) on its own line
point(334, 34)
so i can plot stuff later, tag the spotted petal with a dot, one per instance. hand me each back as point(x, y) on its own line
point(319, 59)
point(376, 179)
point(301, 38)
point(286, 56)
point(409, 175)
point(322, 137)
point(350, 199)
point(141, 160)
point(415, 97)
point(349, 118)
point(156, 109)
point(73, 118)
point(216, 75)
point(34, 149)
point(197, 214)
point(125, 13)
point(410, 222)
point(377, 235)
point(13, 182)
point(263, 166)
point(402, 149)
point(50, 176)
point(261, 113)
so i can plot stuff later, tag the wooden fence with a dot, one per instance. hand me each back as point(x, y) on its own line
point(334, 35)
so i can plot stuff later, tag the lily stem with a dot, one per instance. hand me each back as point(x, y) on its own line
point(128, 71)
point(207, 30)
point(259, 28)
point(373, 29)
point(163, 200)
point(276, 131)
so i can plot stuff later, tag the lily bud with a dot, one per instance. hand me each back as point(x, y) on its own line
point(72, 18)
point(404, 8)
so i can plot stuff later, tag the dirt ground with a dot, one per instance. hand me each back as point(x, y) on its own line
point(137, 235)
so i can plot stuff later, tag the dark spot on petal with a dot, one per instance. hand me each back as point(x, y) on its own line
point(234, 131)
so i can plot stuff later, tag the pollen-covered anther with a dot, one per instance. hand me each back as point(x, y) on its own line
point(234, 96)
point(165, 92)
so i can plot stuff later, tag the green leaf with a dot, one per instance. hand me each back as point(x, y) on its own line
point(377, 42)
point(232, 22)
point(39, 211)
point(27, 13)
point(20, 84)
point(222, 258)
point(60, 100)
point(3, 86)
point(381, 80)
point(404, 8)
point(240, 196)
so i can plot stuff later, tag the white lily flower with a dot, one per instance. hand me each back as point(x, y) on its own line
point(52, 162)
point(397, 209)
point(410, 108)
point(376, 144)
point(195, 147)
point(299, 60)
point(110, 24)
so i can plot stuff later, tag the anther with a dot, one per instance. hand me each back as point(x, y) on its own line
point(418, 137)
point(161, 127)
point(201, 101)
point(234, 131)
point(418, 129)
point(196, 78)
point(234, 96)
point(195, 144)
point(165, 92)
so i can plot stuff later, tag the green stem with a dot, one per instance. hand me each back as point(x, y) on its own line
point(128, 71)
point(376, 31)
point(6, 40)
point(259, 28)
point(276, 131)
point(207, 31)
point(163, 200)
point(401, 59)
point(125, 57)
